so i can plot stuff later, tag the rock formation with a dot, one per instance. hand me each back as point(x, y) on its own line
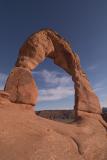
point(47, 43)
point(21, 86)
point(24, 136)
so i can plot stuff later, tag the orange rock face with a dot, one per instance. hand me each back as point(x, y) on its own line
point(25, 136)
point(21, 86)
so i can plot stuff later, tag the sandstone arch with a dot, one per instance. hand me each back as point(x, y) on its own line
point(47, 43)
point(26, 136)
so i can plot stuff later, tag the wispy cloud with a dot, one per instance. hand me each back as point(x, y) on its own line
point(56, 93)
point(55, 78)
point(59, 86)
point(100, 86)
point(101, 91)
point(92, 67)
point(3, 78)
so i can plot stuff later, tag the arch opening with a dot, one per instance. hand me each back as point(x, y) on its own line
point(55, 87)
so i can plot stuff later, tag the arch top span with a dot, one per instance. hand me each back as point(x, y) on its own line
point(42, 44)
point(48, 43)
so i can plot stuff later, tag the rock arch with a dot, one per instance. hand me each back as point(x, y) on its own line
point(40, 45)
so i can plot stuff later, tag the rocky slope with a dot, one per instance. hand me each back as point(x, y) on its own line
point(25, 136)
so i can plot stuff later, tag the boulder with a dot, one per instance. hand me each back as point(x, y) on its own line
point(21, 86)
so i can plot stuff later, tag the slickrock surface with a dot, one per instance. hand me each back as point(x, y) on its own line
point(26, 136)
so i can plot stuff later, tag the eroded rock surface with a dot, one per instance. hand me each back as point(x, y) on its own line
point(25, 136)
point(21, 86)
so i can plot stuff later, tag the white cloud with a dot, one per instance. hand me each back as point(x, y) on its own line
point(56, 78)
point(54, 107)
point(99, 86)
point(3, 78)
point(100, 89)
point(61, 86)
point(57, 93)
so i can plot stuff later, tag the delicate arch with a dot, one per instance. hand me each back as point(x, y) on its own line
point(48, 43)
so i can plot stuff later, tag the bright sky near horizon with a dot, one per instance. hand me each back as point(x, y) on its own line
point(83, 23)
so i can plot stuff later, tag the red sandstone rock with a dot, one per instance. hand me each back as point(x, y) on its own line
point(4, 94)
point(21, 86)
point(25, 136)
point(4, 98)
point(48, 43)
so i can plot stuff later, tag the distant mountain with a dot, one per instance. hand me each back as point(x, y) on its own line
point(104, 109)
point(64, 115)
point(58, 115)
point(104, 114)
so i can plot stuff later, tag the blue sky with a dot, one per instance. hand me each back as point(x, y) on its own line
point(83, 23)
